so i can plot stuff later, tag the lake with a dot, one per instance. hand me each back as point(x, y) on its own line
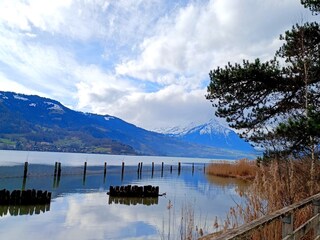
point(81, 209)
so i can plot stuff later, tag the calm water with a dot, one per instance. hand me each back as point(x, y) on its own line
point(81, 209)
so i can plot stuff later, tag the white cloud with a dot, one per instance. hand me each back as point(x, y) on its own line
point(201, 36)
point(36, 67)
point(96, 88)
point(33, 13)
point(168, 107)
point(103, 56)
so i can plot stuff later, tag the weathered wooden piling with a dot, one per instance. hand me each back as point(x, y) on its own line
point(84, 173)
point(25, 170)
point(138, 168)
point(122, 171)
point(162, 164)
point(55, 169)
point(179, 168)
point(59, 170)
point(105, 171)
point(192, 168)
point(152, 169)
point(85, 169)
point(133, 191)
point(24, 197)
point(171, 169)
point(56, 180)
point(204, 168)
point(24, 183)
point(141, 168)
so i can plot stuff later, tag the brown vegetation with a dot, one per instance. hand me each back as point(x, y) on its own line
point(243, 168)
point(276, 185)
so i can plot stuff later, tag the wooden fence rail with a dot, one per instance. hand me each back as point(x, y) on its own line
point(286, 216)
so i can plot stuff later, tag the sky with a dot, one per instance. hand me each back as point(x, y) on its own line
point(144, 61)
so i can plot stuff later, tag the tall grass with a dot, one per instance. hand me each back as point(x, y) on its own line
point(182, 223)
point(243, 168)
point(276, 185)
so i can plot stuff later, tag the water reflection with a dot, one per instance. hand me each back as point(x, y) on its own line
point(224, 182)
point(134, 201)
point(80, 208)
point(15, 210)
point(240, 186)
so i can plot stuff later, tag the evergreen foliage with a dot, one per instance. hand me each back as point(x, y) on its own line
point(313, 5)
point(275, 104)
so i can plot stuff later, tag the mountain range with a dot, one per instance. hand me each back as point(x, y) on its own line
point(212, 133)
point(29, 122)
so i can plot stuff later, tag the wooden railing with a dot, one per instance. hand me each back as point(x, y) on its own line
point(286, 216)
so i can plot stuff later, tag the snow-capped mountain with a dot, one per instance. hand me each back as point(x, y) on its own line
point(30, 122)
point(212, 133)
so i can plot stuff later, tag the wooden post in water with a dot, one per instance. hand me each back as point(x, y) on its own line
point(171, 169)
point(204, 168)
point(179, 168)
point(122, 171)
point(85, 168)
point(141, 164)
point(59, 174)
point(152, 169)
point(25, 171)
point(55, 169)
point(25, 174)
point(55, 174)
point(59, 169)
point(192, 168)
point(162, 169)
point(138, 171)
point(105, 172)
point(84, 173)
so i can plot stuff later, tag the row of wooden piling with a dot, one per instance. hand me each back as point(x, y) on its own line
point(58, 169)
point(24, 197)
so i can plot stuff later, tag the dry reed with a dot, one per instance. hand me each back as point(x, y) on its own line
point(243, 168)
point(279, 184)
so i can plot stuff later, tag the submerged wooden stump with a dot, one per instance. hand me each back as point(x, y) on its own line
point(24, 197)
point(133, 191)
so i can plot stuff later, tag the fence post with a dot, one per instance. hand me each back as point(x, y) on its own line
point(316, 210)
point(287, 225)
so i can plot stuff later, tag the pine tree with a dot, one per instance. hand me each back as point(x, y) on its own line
point(275, 104)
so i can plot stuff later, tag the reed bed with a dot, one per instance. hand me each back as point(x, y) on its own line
point(275, 185)
point(243, 169)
